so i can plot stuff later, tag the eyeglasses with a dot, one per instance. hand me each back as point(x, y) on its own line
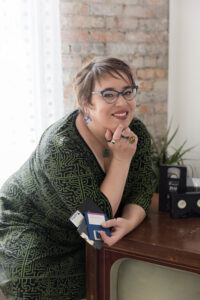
point(111, 96)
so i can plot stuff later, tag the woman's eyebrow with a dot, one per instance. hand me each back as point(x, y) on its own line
point(113, 89)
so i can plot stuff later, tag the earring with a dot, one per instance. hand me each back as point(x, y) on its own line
point(87, 119)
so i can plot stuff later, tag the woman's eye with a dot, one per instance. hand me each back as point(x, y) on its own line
point(128, 92)
point(108, 95)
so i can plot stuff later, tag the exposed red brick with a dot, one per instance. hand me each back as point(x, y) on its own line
point(87, 22)
point(156, 2)
point(146, 86)
point(144, 109)
point(75, 35)
point(139, 37)
point(121, 23)
point(145, 73)
point(151, 73)
point(162, 36)
point(108, 36)
point(71, 61)
point(138, 12)
point(88, 58)
point(106, 9)
point(161, 86)
point(74, 8)
point(160, 108)
point(150, 61)
point(68, 89)
point(160, 73)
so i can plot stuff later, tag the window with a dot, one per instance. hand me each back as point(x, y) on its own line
point(31, 96)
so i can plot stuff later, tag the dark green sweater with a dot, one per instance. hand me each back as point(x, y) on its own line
point(41, 254)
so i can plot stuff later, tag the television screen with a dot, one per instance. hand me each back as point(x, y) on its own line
point(138, 280)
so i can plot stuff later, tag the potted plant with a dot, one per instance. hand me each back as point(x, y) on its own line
point(161, 155)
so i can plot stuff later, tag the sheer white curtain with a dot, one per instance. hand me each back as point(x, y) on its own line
point(31, 96)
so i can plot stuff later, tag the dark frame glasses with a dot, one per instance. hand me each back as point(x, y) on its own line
point(111, 96)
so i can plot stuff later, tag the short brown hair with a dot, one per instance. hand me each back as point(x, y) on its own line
point(84, 80)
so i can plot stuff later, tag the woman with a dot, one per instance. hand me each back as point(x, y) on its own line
point(99, 151)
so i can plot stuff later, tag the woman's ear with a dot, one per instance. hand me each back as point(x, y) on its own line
point(86, 107)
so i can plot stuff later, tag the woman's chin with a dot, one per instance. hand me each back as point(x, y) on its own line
point(125, 125)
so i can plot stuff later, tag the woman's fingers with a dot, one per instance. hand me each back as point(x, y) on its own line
point(110, 223)
point(117, 231)
point(126, 132)
point(107, 240)
point(108, 135)
point(122, 143)
point(117, 134)
point(121, 134)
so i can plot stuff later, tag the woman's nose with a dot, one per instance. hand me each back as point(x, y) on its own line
point(120, 100)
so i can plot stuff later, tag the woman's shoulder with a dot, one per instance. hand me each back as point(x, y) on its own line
point(60, 142)
point(61, 126)
point(60, 133)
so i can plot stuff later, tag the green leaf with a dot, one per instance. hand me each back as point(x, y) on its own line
point(160, 153)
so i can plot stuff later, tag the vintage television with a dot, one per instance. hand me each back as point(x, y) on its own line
point(160, 259)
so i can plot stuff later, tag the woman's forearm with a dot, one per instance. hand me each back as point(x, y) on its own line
point(113, 185)
point(135, 214)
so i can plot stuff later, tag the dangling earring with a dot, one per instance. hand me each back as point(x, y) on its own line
point(87, 119)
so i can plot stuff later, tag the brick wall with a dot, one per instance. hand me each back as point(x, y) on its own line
point(134, 30)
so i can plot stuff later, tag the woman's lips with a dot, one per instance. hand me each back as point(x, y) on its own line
point(121, 115)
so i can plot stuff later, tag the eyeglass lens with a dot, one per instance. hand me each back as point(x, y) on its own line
point(128, 94)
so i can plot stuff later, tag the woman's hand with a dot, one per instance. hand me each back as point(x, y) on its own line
point(120, 227)
point(120, 144)
point(132, 216)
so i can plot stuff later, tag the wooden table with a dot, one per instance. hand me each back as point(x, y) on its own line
point(159, 239)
